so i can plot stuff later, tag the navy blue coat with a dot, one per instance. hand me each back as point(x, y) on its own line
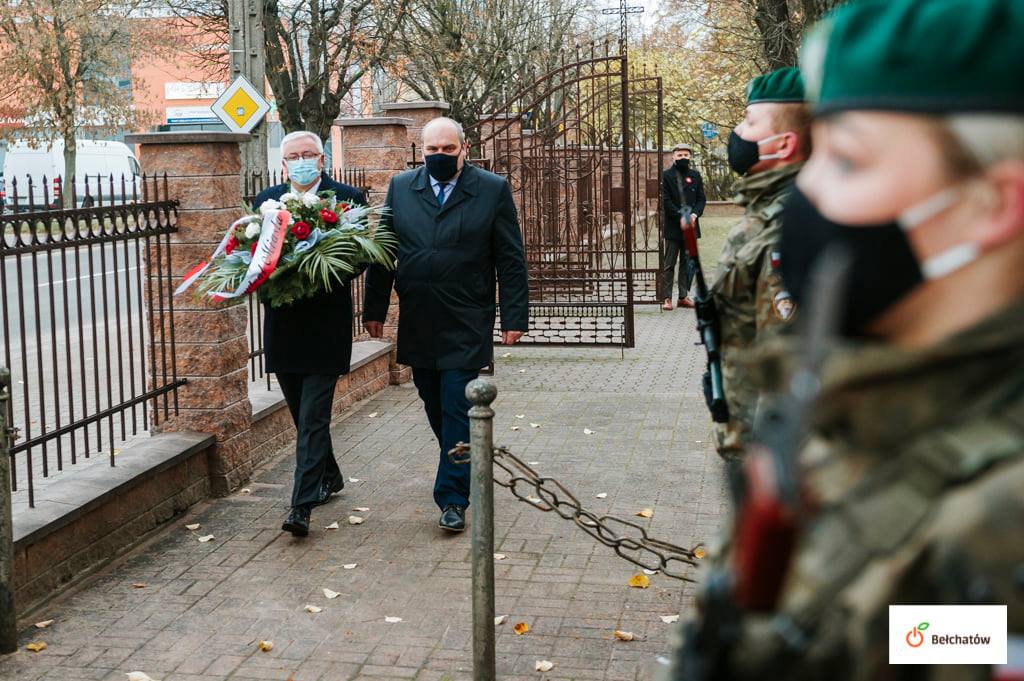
point(314, 335)
point(450, 260)
point(693, 196)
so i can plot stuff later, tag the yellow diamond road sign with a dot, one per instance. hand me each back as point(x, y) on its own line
point(241, 106)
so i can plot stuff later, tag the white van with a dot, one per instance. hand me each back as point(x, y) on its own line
point(95, 163)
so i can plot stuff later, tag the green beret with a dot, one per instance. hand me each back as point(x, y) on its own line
point(928, 57)
point(782, 85)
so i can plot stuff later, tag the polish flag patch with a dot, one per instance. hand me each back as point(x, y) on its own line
point(776, 259)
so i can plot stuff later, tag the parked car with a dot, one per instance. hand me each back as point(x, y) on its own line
point(96, 162)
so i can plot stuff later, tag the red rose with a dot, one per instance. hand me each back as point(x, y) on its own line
point(300, 230)
point(328, 216)
point(232, 245)
point(252, 249)
point(345, 206)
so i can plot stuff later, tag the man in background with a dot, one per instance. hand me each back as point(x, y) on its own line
point(682, 190)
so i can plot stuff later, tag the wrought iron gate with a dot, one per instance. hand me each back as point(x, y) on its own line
point(566, 145)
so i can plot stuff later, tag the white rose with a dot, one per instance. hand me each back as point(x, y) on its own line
point(270, 205)
point(252, 230)
point(310, 200)
point(290, 196)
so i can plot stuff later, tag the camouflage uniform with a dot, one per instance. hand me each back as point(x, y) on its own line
point(915, 470)
point(750, 296)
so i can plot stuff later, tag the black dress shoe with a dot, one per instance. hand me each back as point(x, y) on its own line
point(327, 488)
point(453, 518)
point(298, 522)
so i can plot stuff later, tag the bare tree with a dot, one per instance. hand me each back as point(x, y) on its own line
point(66, 67)
point(315, 50)
point(474, 54)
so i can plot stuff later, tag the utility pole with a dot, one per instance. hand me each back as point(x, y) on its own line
point(245, 19)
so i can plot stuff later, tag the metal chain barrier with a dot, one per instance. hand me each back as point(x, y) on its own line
point(628, 539)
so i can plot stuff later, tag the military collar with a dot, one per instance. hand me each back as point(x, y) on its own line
point(754, 190)
point(877, 395)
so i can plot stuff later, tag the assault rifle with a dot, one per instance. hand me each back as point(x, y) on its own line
point(707, 325)
point(767, 496)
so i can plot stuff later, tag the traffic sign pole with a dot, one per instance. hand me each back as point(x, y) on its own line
point(245, 19)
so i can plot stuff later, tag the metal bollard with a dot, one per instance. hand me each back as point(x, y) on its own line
point(481, 394)
point(8, 620)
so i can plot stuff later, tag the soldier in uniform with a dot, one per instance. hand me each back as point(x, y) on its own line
point(768, 149)
point(912, 472)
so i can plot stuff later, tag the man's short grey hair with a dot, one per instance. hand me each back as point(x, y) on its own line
point(302, 134)
point(682, 147)
point(989, 138)
point(452, 122)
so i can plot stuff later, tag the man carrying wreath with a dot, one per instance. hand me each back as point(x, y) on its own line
point(308, 344)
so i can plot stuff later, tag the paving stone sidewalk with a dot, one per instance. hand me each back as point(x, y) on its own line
point(181, 610)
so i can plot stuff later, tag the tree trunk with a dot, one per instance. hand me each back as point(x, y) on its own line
point(67, 184)
point(779, 34)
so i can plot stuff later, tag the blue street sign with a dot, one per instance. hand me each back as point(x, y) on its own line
point(709, 130)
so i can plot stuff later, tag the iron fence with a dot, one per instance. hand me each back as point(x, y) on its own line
point(87, 322)
point(252, 186)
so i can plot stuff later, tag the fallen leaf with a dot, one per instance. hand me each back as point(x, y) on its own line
point(544, 665)
point(43, 624)
point(588, 431)
point(534, 500)
point(205, 538)
point(266, 646)
point(624, 635)
point(355, 520)
point(139, 585)
point(500, 619)
point(650, 572)
point(36, 647)
point(331, 595)
point(350, 566)
point(313, 609)
point(353, 479)
point(602, 495)
point(533, 463)
point(373, 415)
point(535, 425)
point(699, 552)
point(506, 355)
point(193, 526)
point(246, 490)
point(500, 556)
point(116, 452)
point(670, 619)
point(140, 676)
point(521, 628)
point(520, 416)
point(332, 526)
point(646, 513)
point(640, 581)
point(522, 371)
point(361, 509)
point(392, 620)
point(515, 427)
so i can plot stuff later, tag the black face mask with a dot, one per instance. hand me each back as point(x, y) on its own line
point(442, 167)
point(883, 268)
point(743, 154)
point(682, 165)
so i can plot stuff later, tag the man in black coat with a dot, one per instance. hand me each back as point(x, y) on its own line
point(681, 187)
point(457, 227)
point(308, 344)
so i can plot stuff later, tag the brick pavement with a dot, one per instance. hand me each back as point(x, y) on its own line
point(205, 606)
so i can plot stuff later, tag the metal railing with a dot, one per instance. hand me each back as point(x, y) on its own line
point(87, 323)
point(254, 183)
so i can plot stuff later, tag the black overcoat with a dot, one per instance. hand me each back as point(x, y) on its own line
point(693, 196)
point(311, 336)
point(449, 261)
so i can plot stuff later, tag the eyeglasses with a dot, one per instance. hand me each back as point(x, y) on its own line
point(305, 156)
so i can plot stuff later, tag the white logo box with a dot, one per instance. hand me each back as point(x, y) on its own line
point(953, 634)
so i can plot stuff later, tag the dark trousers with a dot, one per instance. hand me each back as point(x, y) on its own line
point(687, 269)
point(443, 392)
point(309, 398)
